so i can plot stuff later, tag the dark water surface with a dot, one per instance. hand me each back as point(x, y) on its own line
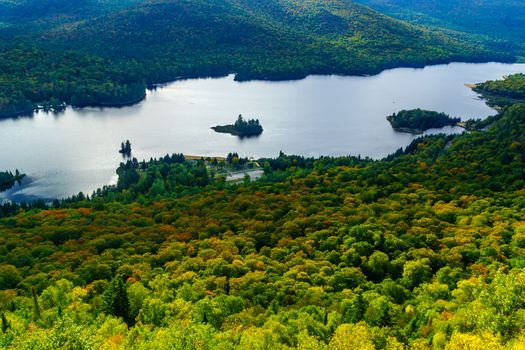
point(321, 115)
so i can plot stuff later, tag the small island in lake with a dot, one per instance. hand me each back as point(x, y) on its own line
point(242, 128)
point(416, 121)
point(125, 148)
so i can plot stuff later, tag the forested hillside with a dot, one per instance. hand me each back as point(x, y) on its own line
point(503, 92)
point(421, 250)
point(500, 20)
point(510, 86)
point(37, 15)
point(101, 52)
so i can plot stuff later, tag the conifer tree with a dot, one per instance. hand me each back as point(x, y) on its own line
point(5, 324)
point(115, 299)
point(36, 307)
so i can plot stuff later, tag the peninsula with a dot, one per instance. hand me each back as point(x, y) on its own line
point(500, 93)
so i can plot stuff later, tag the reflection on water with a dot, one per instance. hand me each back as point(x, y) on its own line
point(77, 150)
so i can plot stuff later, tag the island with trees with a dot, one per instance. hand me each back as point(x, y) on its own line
point(125, 148)
point(242, 127)
point(416, 121)
point(8, 179)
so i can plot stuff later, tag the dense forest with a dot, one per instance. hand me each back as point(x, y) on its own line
point(30, 76)
point(497, 23)
point(417, 120)
point(421, 250)
point(95, 52)
point(503, 92)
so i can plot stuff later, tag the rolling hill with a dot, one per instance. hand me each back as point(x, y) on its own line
point(263, 39)
point(38, 15)
point(157, 41)
point(499, 20)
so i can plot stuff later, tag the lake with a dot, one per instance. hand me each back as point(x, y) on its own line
point(77, 150)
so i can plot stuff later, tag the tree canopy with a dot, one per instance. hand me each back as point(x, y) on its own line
point(420, 250)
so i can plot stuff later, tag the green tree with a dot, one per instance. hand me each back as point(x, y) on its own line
point(5, 323)
point(417, 271)
point(36, 306)
point(115, 299)
point(9, 276)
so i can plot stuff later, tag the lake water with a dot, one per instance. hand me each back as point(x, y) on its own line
point(77, 150)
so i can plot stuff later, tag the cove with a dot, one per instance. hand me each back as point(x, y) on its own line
point(77, 150)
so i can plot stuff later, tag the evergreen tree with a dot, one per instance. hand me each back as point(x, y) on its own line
point(36, 307)
point(115, 299)
point(5, 324)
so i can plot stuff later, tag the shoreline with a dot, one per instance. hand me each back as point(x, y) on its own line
point(196, 157)
point(241, 78)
